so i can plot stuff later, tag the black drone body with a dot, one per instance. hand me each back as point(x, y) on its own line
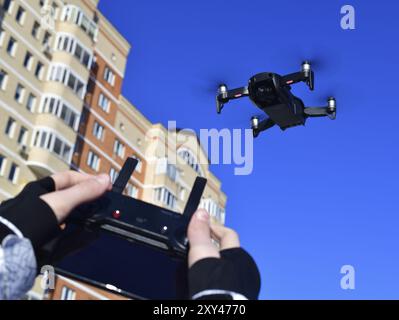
point(271, 93)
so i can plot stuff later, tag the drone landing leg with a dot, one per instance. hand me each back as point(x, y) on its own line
point(263, 126)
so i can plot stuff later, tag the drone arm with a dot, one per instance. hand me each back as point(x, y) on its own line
point(233, 94)
point(302, 76)
point(294, 78)
point(237, 93)
point(329, 111)
point(316, 112)
point(263, 126)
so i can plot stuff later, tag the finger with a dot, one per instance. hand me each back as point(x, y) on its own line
point(199, 237)
point(68, 179)
point(64, 201)
point(227, 238)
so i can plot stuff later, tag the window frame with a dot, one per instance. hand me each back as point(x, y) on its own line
point(20, 91)
point(4, 81)
point(11, 51)
point(20, 17)
point(10, 127)
point(15, 169)
point(93, 161)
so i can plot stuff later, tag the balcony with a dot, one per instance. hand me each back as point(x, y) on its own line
point(73, 14)
point(44, 163)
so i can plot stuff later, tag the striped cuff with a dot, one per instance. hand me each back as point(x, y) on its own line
point(7, 228)
point(214, 294)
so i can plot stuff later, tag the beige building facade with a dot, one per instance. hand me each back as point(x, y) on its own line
point(62, 66)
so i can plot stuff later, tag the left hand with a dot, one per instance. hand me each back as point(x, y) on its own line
point(73, 189)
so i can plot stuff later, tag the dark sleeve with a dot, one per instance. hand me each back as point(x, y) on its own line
point(234, 276)
point(31, 215)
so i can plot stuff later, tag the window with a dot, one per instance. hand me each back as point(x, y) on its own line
point(12, 47)
point(191, 161)
point(182, 193)
point(63, 74)
point(57, 145)
point(22, 137)
point(50, 141)
point(165, 197)
point(139, 164)
point(2, 35)
point(39, 70)
point(104, 103)
point(163, 167)
point(213, 209)
point(98, 131)
point(20, 17)
point(28, 61)
point(72, 81)
point(35, 30)
point(14, 173)
point(3, 79)
point(58, 107)
point(3, 162)
point(109, 76)
point(113, 174)
point(67, 294)
point(7, 5)
point(19, 93)
point(75, 15)
point(132, 191)
point(10, 127)
point(46, 39)
point(93, 161)
point(119, 149)
point(172, 172)
point(31, 102)
point(78, 51)
point(55, 10)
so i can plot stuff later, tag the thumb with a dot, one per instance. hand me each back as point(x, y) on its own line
point(199, 237)
point(64, 201)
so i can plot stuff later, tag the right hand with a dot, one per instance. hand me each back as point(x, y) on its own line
point(200, 235)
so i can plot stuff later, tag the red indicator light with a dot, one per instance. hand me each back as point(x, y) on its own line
point(116, 214)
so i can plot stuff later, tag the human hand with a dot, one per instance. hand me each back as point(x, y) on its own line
point(224, 272)
point(200, 234)
point(73, 189)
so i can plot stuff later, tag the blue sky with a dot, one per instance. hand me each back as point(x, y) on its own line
point(321, 196)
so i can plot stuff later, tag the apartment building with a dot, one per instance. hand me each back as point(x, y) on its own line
point(44, 72)
point(62, 66)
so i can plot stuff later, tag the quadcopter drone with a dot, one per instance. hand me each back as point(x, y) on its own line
point(271, 93)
